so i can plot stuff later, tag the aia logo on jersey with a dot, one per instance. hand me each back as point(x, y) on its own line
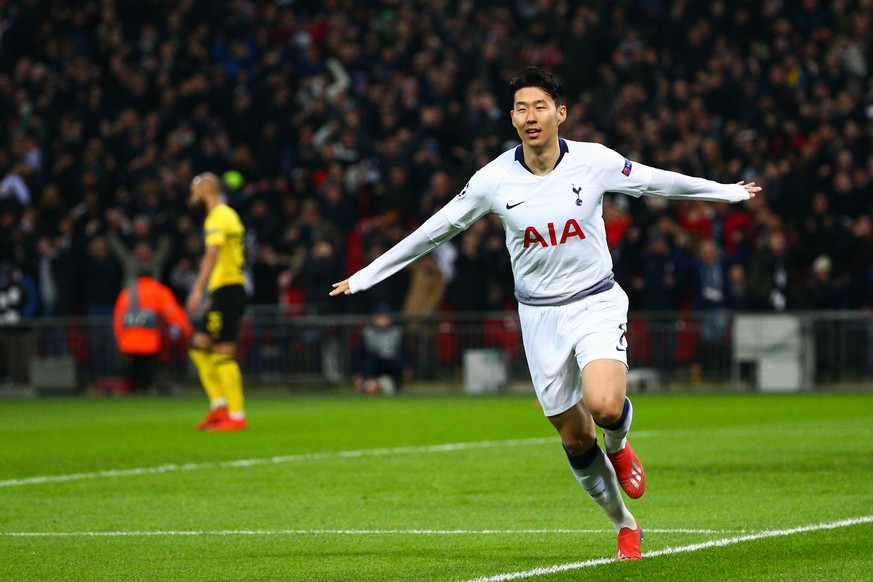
point(571, 230)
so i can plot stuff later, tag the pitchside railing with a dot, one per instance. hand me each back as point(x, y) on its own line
point(667, 351)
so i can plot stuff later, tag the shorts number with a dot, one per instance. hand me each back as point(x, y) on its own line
point(214, 323)
point(622, 341)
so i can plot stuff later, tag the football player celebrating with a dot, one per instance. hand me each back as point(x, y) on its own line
point(549, 194)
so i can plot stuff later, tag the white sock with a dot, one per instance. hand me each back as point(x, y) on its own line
point(599, 480)
point(217, 403)
point(615, 437)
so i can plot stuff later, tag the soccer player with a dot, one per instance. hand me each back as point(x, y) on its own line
point(549, 194)
point(213, 346)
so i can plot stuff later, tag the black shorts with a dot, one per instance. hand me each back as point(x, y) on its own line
point(222, 320)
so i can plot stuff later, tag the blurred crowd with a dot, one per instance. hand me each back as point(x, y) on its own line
point(339, 126)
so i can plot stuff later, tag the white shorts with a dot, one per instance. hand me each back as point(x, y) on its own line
point(560, 340)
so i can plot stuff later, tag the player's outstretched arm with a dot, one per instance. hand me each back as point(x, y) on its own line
point(676, 186)
point(435, 231)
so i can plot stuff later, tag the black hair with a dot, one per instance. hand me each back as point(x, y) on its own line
point(541, 79)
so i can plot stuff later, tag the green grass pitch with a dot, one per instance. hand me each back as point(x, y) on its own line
point(740, 487)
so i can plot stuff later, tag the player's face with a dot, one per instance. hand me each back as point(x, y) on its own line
point(196, 199)
point(536, 117)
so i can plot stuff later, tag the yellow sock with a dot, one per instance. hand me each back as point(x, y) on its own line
point(230, 378)
point(203, 361)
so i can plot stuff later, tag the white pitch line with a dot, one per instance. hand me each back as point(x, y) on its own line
point(340, 532)
point(680, 549)
point(353, 454)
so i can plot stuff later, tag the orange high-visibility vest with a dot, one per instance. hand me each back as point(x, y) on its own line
point(140, 310)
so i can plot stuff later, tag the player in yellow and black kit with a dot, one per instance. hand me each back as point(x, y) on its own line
point(213, 346)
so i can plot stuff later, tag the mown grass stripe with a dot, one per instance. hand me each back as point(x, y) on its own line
point(344, 532)
point(679, 549)
point(302, 457)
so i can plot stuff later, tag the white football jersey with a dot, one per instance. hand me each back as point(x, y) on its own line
point(554, 225)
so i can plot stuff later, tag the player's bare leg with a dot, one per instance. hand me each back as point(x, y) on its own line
point(595, 473)
point(604, 393)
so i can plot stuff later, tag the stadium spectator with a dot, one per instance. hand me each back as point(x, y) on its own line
point(821, 291)
point(469, 288)
point(18, 301)
point(711, 297)
point(737, 296)
point(102, 281)
point(54, 272)
point(102, 106)
point(266, 271)
point(427, 287)
point(14, 189)
point(382, 360)
point(135, 245)
point(770, 275)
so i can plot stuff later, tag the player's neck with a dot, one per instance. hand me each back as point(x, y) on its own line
point(541, 161)
point(211, 203)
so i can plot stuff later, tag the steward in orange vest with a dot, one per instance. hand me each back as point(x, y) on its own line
point(142, 310)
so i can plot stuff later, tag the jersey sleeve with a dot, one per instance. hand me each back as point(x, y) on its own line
point(434, 232)
point(471, 204)
point(215, 230)
point(676, 186)
point(619, 174)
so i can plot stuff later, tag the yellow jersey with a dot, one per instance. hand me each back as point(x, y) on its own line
point(224, 228)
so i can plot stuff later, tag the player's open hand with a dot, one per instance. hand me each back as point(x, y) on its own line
point(341, 288)
point(194, 303)
point(750, 188)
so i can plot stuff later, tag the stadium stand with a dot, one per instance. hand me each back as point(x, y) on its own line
point(339, 125)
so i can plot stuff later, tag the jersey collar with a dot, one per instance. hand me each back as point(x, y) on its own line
point(519, 154)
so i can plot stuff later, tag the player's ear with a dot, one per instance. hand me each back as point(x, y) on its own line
point(562, 113)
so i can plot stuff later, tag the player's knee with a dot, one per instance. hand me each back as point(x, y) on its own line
point(200, 341)
point(225, 349)
point(606, 410)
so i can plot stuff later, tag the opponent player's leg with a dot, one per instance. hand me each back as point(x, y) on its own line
point(200, 351)
point(224, 322)
point(604, 384)
point(230, 378)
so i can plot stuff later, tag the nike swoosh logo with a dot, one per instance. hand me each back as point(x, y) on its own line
point(511, 206)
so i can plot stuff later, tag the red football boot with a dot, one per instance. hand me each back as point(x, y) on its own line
point(629, 471)
point(214, 416)
point(629, 544)
point(228, 425)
